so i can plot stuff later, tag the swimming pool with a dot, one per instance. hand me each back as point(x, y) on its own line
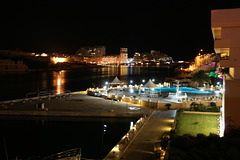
point(173, 89)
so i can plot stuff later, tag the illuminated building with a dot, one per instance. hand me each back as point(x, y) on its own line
point(110, 59)
point(137, 58)
point(157, 55)
point(90, 54)
point(15, 53)
point(8, 65)
point(123, 55)
point(206, 62)
point(226, 33)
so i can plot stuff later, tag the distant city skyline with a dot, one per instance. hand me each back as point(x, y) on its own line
point(179, 29)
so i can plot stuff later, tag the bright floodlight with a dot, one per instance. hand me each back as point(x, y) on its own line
point(143, 80)
point(131, 81)
point(153, 80)
point(106, 83)
point(131, 90)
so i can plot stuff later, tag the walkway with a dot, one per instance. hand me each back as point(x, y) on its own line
point(142, 145)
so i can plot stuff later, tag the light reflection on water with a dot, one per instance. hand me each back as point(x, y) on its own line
point(15, 86)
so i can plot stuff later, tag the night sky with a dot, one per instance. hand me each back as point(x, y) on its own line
point(177, 28)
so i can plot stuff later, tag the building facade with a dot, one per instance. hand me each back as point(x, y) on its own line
point(225, 25)
point(90, 54)
point(12, 66)
point(124, 55)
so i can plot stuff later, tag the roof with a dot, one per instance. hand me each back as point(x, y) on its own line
point(149, 84)
point(116, 81)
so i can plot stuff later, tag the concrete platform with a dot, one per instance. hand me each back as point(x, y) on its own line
point(75, 105)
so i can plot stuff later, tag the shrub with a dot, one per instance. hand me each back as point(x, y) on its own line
point(201, 108)
point(214, 109)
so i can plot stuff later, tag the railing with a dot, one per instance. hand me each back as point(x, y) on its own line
point(45, 93)
point(72, 153)
point(119, 149)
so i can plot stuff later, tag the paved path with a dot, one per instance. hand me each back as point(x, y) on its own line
point(142, 146)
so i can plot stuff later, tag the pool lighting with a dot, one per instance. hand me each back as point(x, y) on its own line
point(217, 92)
point(202, 89)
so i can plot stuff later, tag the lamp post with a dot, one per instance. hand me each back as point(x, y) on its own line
point(131, 91)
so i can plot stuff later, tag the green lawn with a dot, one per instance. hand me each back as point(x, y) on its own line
point(197, 123)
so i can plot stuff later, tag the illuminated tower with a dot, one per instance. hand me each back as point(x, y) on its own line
point(124, 55)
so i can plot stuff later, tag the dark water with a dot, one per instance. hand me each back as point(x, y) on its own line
point(28, 137)
point(14, 86)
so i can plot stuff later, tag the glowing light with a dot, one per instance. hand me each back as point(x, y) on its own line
point(131, 81)
point(58, 60)
point(133, 108)
point(44, 55)
point(202, 89)
point(169, 120)
point(106, 83)
point(131, 90)
point(143, 80)
point(131, 125)
point(116, 148)
point(153, 80)
point(218, 83)
point(59, 82)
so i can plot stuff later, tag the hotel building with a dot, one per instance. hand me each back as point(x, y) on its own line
point(225, 25)
point(90, 54)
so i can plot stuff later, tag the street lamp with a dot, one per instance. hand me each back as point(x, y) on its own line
point(143, 80)
point(153, 80)
point(131, 81)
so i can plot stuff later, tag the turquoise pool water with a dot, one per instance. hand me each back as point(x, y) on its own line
point(182, 89)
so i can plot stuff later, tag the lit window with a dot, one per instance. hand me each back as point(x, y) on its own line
point(217, 33)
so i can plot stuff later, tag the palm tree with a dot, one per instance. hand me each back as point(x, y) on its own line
point(200, 77)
